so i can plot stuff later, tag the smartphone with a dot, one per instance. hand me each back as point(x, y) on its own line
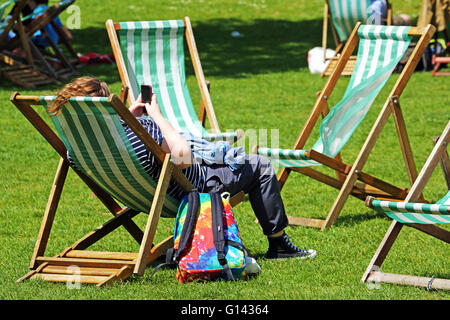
point(146, 94)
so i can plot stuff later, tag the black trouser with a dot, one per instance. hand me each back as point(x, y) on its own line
point(257, 179)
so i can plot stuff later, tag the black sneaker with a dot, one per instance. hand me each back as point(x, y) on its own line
point(282, 247)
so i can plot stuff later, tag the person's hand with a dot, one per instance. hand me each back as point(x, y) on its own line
point(153, 109)
point(67, 33)
point(137, 108)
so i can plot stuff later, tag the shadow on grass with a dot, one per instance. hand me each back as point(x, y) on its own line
point(265, 46)
point(354, 219)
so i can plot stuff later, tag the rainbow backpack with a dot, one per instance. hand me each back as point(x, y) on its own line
point(207, 243)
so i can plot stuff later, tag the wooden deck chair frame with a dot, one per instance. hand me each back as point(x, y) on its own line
point(22, 39)
point(351, 180)
point(206, 106)
point(21, 73)
point(372, 273)
point(69, 66)
point(100, 267)
point(339, 43)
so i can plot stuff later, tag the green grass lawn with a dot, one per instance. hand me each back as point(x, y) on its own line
point(259, 81)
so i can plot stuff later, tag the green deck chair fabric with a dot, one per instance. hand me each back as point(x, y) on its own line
point(63, 4)
point(154, 54)
point(423, 213)
point(94, 136)
point(380, 49)
point(3, 7)
point(346, 13)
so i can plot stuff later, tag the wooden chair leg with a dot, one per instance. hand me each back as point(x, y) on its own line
point(154, 214)
point(383, 249)
point(119, 220)
point(49, 215)
point(202, 113)
point(403, 139)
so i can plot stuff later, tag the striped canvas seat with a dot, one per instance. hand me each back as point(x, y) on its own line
point(346, 13)
point(413, 212)
point(423, 213)
point(91, 130)
point(380, 49)
point(3, 23)
point(153, 53)
point(99, 147)
point(4, 6)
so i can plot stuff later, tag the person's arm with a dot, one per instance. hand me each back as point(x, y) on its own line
point(173, 142)
point(67, 33)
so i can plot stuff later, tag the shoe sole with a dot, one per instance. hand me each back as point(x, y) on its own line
point(286, 256)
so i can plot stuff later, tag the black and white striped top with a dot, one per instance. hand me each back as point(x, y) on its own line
point(195, 173)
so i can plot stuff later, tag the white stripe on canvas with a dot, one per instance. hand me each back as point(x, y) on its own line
point(131, 165)
point(347, 18)
point(192, 128)
point(401, 43)
point(365, 56)
point(145, 61)
point(388, 49)
point(160, 69)
point(107, 152)
point(109, 184)
point(338, 15)
point(376, 53)
point(441, 219)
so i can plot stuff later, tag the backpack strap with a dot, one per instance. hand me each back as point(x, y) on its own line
point(189, 222)
point(172, 255)
point(218, 232)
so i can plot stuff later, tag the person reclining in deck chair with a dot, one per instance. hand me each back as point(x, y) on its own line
point(39, 8)
point(255, 175)
point(378, 13)
point(27, 10)
point(26, 18)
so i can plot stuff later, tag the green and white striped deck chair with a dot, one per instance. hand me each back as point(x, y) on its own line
point(412, 212)
point(343, 15)
point(380, 49)
point(152, 52)
point(97, 142)
point(7, 26)
point(3, 8)
point(421, 216)
point(90, 130)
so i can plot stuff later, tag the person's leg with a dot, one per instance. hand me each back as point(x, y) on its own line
point(257, 179)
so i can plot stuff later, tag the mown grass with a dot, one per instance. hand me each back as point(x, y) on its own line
point(260, 81)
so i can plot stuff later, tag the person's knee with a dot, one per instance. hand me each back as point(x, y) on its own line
point(262, 164)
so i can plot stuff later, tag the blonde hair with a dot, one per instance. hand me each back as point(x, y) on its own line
point(81, 87)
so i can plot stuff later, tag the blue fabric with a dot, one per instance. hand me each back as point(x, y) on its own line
point(220, 152)
point(38, 38)
point(379, 11)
